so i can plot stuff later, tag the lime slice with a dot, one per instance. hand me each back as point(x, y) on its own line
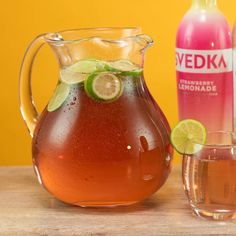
point(79, 71)
point(59, 96)
point(69, 77)
point(188, 136)
point(134, 73)
point(103, 86)
point(121, 66)
point(87, 66)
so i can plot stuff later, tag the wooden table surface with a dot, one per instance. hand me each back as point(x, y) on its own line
point(27, 209)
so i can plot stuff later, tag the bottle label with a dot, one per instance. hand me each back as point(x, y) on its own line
point(234, 64)
point(205, 87)
point(204, 61)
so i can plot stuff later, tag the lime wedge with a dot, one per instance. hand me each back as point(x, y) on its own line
point(59, 96)
point(103, 86)
point(188, 136)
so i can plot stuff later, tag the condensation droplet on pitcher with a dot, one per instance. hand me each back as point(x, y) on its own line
point(168, 159)
point(147, 177)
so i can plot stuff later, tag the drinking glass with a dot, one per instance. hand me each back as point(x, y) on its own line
point(209, 177)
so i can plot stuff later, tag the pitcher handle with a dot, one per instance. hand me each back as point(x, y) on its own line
point(27, 106)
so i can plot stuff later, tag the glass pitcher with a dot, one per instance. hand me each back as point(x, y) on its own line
point(101, 140)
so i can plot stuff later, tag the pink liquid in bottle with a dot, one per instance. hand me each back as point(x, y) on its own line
point(204, 67)
point(234, 71)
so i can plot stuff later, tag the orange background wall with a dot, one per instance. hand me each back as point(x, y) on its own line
point(22, 20)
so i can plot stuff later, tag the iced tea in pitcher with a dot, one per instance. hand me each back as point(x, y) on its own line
point(101, 140)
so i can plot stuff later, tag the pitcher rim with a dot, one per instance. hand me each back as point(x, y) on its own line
point(51, 37)
point(208, 145)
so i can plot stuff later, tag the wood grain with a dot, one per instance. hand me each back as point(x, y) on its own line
point(27, 209)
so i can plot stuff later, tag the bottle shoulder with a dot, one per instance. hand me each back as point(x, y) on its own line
point(204, 30)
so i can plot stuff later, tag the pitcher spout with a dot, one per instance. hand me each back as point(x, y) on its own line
point(145, 41)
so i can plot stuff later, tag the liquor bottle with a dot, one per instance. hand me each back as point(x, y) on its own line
point(204, 67)
point(234, 71)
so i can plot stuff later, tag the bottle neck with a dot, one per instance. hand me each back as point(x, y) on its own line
point(204, 4)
